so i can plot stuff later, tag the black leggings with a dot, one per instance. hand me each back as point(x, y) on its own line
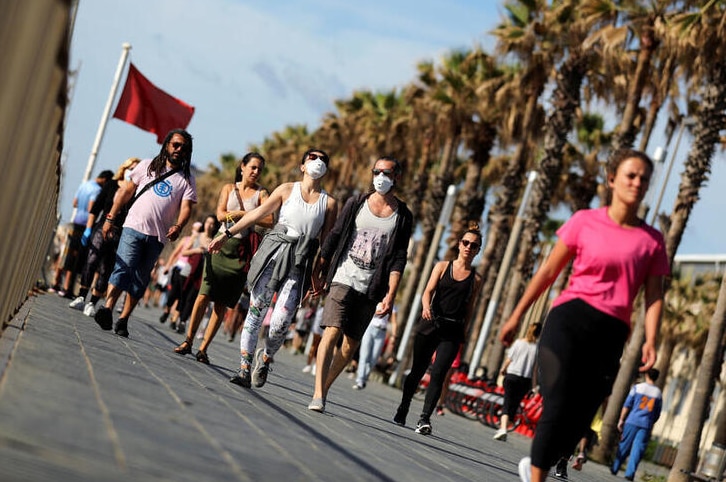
point(515, 388)
point(579, 356)
point(176, 290)
point(424, 347)
point(101, 258)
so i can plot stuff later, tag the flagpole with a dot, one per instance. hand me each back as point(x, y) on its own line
point(106, 112)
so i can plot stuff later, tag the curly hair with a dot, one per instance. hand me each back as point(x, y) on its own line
point(158, 164)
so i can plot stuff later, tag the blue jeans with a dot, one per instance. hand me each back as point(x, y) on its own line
point(633, 442)
point(135, 258)
point(371, 347)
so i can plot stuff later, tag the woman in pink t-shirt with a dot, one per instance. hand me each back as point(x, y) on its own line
point(614, 254)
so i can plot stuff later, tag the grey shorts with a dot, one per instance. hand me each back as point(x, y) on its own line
point(349, 310)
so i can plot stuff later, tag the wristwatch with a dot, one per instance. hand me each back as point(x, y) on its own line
point(228, 232)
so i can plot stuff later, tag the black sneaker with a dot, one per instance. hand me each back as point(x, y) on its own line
point(262, 368)
point(423, 427)
point(561, 469)
point(400, 417)
point(120, 328)
point(163, 317)
point(242, 378)
point(104, 318)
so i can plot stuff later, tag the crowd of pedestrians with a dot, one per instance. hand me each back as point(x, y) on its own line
point(291, 256)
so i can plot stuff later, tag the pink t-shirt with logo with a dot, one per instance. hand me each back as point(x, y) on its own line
point(611, 261)
point(156, 210)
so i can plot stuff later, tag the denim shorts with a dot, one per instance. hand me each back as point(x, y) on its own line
point(135, 258)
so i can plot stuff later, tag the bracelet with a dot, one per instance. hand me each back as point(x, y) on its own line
point(108, 216)
point(108, 220)
point(176, 226)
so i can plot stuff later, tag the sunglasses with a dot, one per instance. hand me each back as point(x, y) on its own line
point(385, 172)
point(473, 244)
point(177, 145)
point(312, 156)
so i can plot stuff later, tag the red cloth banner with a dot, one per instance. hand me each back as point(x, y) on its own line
point(149, 108)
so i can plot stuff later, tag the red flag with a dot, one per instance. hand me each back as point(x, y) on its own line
point(149, 108)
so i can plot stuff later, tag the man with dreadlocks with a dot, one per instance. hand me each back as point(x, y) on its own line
point(157, 213)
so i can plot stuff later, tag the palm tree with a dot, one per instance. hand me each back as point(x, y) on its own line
point(687, 456)
point(565, 100)
point(484, 78)
point(689, 305)
point(527, 32)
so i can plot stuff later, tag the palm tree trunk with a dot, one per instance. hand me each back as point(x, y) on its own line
point(501, 218)
point(625, 135)
point(609, 434)
point(470, 202)
point(435, 200)
point(705, 383)
point(656, 102)
point(565, 101)
point(709, 123)
point(665, 354)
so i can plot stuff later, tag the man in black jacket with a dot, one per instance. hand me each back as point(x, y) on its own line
point(361, 264)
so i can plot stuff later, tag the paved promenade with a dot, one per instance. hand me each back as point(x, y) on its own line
point(78, 403)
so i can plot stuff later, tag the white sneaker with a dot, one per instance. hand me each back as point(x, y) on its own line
point(501, 435)
point(307, 368)
point(90, 309)
point(78, 303)
point(525, 469)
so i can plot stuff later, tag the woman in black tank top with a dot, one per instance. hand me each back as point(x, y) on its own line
point(446, 303)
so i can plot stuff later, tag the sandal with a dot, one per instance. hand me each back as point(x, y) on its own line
point(185, 348)
point(202, 357)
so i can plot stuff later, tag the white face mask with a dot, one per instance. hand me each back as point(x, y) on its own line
point(382, 183)
point(316, 168)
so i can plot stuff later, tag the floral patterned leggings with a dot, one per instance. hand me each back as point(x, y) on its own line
point(288, 298)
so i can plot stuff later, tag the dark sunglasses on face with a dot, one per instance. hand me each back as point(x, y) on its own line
point(474, 245)
point(177, 145)
point(385, 172)
point(312, 156)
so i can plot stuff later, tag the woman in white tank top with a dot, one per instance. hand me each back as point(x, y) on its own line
point(306, 213)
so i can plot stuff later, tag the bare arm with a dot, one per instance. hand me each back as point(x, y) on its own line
point(653, 312)
point(319, 268)
point(185, 212)
point(123, 195)
point(545, 276)
point(623, 415)
point(223, 215)
point(387, 302)
point(221, 211)
point(271, 205)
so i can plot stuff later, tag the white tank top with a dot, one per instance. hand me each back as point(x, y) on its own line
point(247, 205)
point(300, 217)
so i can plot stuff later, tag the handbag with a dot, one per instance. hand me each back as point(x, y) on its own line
point(118, 221)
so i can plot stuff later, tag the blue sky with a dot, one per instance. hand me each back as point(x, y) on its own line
point(251, 68)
